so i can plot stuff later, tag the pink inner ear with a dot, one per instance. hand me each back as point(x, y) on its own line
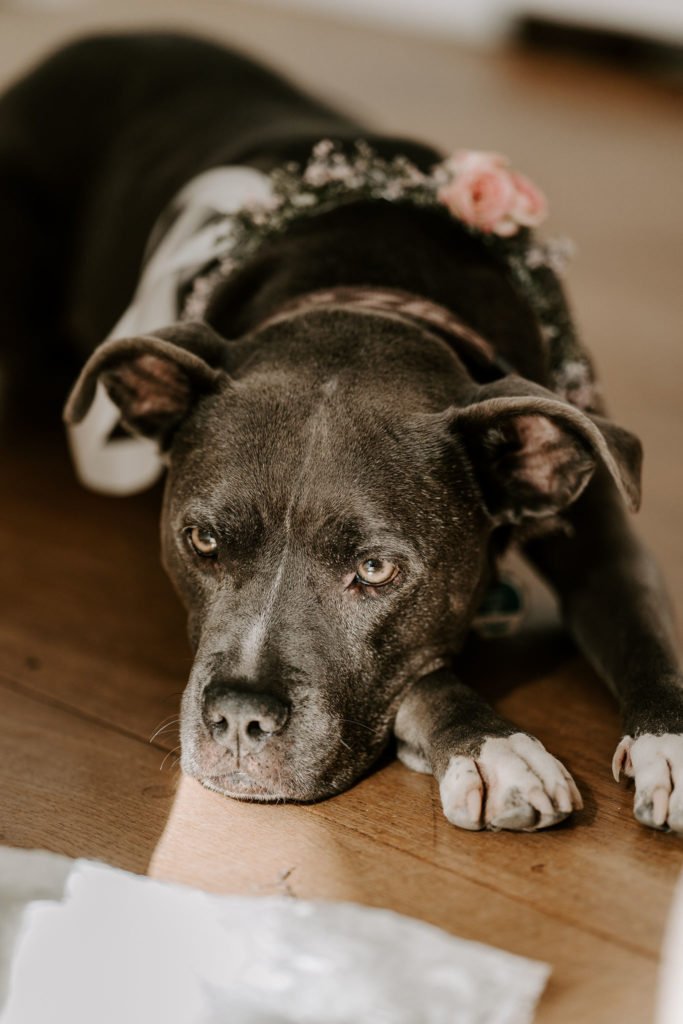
point(154, 386)
point(545, 454)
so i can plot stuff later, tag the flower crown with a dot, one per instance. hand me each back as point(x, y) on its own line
point(478, 190)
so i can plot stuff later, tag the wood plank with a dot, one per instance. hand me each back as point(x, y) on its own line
point(79, 788)
point(89, 617)
point(118, 808)
point(242, 848)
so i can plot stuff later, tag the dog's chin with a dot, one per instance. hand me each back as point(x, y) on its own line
point(241, 786)
point(249, 783)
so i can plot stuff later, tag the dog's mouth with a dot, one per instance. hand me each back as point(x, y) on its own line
point(279, 788)
point(242, 786)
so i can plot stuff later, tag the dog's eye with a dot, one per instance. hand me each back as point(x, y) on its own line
point(375, 572)
point(203, 542)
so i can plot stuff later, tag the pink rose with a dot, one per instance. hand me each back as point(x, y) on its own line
point(484, 193)
point(481, 198)
point(531, 207)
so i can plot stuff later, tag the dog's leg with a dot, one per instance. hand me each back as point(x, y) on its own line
point(490, 774)
point(617, 608)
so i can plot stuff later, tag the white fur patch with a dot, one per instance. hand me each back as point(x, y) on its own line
point(513, 783)
point(413, 759)
point(252, 645)
point(655, 763)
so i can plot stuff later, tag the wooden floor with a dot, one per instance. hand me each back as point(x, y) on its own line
point(92, 649)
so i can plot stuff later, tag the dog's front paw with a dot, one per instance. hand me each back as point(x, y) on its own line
point(512, 783)
point(655, 763)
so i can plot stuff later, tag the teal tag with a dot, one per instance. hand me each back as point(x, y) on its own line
point(502, 609)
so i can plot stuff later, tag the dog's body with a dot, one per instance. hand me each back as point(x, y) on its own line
point(325, 443)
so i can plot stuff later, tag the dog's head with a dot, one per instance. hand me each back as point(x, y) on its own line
point(333, 483)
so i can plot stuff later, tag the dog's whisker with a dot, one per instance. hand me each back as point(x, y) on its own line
point(170, 718)
point(354, 721)
point(163, 727)
point(170, 753)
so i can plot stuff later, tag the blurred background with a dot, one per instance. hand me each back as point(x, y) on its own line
point(659, 22)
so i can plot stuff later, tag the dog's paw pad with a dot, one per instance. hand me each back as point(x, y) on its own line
point(512, 783)
point(655, 763)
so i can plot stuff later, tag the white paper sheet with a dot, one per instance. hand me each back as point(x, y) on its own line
point(25, 875)
point(123, 948)
point(670, 997)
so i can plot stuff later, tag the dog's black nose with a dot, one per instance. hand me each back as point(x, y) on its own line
point(242, 719)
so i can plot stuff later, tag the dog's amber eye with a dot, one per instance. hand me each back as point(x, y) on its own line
point(203, 542)
point(375, 572)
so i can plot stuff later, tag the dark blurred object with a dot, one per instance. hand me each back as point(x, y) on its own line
point(657, 58)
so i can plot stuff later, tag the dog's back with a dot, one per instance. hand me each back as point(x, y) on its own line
point(93, 144)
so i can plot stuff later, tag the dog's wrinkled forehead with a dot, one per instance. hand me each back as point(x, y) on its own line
point(356, 349)
point(316, 459)
point(320, 419)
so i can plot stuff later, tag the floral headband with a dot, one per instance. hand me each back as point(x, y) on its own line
point(490, 200)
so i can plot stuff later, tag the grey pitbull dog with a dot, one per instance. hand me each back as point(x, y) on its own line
point(339, 481)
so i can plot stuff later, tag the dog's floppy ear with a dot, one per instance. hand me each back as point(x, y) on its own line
point(533, 453)
point(154, 379)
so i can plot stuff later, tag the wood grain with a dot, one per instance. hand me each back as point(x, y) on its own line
point(306, 852)
point(77, 787)
point(92, 649)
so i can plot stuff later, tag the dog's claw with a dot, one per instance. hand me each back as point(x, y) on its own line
point(660, 807)
point(621, 762)
point(563, 799)
point(655, 763)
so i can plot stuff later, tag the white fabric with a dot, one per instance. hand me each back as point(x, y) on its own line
point(25, 875)
point(670, 1000)
point(128, 465)
point(125, 948)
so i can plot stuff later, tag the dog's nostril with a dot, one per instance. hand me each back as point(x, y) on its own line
point(217, 723)
point(256, 730)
